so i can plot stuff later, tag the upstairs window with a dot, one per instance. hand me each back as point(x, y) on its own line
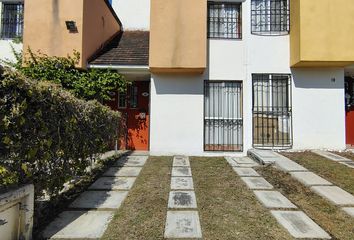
point(224, 20)
point(270, 17)
point(11, 20)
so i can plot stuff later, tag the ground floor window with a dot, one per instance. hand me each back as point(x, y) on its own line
point(272, 110)
point(223, 122)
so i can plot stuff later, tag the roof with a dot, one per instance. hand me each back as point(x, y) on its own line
point(127, 48)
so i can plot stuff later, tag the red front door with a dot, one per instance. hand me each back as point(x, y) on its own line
point(134, 107)
point(349, 113)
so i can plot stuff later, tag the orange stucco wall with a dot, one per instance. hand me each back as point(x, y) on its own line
point(45, 29)
point(178, 36)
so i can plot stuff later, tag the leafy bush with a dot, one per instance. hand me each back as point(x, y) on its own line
point(99, 84)
point(47, 136)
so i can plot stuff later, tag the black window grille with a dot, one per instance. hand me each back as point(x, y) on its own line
point(270, 17)
point(223, 121)
point(272, 111)
point(224, 20)
point(11, 20)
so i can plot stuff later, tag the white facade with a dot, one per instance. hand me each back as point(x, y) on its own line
point(177, 101)
point(134, 14)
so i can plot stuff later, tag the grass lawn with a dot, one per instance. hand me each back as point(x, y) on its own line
point(143, 213)
point(334, 172)
point(331, 218)
point(349, 155)
point(227, 208)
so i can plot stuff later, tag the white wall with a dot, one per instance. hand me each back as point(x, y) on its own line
point(6, 51)
point(318, 109)
point(134, 14)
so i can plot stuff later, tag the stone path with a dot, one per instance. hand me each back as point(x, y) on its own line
point(89, 215)
point(317, 184)
point(335, 157)
point(182, 223)
point(297, 223)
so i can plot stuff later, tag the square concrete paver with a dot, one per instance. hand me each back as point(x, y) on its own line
point(349, 210)
point(181, 172)
point(288, 165)
point(331, 156)
point(299, 225)
point(257, 183)
point(273, 199)
point(246, 172)
point(183, 224)
point(113, 183)
point(78, 225)
point(309, 178)
point(182, 199)
point(348, 164)
point(131, 161)
point(233, 163)
point(101, 200)
point(181, 161)
point(244, 160)
point(334, 194)
point(182, 183)
point(123, 172)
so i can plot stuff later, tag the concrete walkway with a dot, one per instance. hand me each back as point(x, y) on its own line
point(89, 215)
point(335, 157)
point(317, 184)
point(296, 222)
point(182, 219)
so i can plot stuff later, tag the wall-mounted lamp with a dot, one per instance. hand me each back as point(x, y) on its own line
point(333, 80)
point(71, 26)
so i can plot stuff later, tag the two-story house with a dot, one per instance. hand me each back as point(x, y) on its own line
point(214, 77)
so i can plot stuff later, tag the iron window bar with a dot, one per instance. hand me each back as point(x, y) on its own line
point(223, 117)
point(224, 20)
point(11, 20)
point(270, 17)
point(272, 111)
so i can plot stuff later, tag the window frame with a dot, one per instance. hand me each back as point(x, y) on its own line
point(18, 26)
point(238, 21)
point(268, 9)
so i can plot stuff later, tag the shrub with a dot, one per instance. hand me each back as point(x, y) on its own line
point(47, 136)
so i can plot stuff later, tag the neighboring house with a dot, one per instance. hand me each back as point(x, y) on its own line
point(11, 28)
point(214, 77)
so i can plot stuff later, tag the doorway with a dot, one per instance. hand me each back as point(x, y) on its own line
point(349, 111)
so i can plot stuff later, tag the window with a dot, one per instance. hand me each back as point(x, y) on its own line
point(272, 110)
point(133, 97)
point(122, 100)
point(224, 20)
point(223, 122)
point(11, 20)
point(270, 17)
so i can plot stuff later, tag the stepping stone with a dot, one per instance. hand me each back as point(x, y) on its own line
point(181, 172)
point(334, 194)
point(181, 161)
point(78, 225)
point(244, 160)
point(246, 172)
point(349, 210)
point(331, 156)
point(123, 172)
point(113, 183)
point(264, 156)
point(101, 200)
point(299, 225)
point(257, 183)
point(183, 224)
point(273, 199)
point(182, 183)
point(288, 165)
point(309, 178)
point(182, 199)
point(131, 161)
point(233, 163)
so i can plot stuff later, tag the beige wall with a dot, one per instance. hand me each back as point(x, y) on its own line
point(178, 36)
point(45, 29)
point(322, 33)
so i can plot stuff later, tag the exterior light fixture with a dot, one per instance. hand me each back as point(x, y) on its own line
point(71, 26)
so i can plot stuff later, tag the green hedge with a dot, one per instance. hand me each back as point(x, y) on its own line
point(47, 136)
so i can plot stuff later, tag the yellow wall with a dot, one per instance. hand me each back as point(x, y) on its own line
point(322, 33)
point(178, 36)
point(45, 29)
